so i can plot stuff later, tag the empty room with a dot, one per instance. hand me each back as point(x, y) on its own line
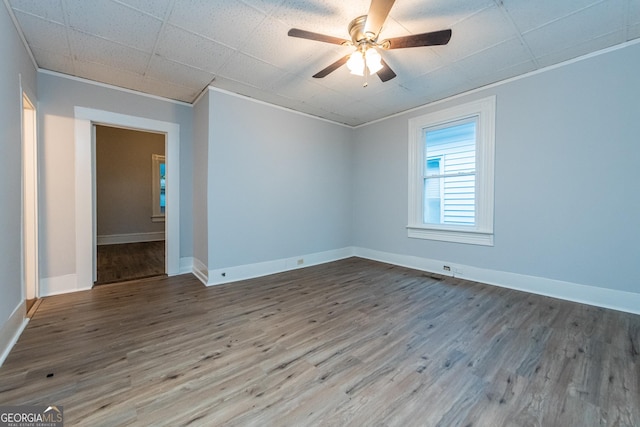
point(364, 213)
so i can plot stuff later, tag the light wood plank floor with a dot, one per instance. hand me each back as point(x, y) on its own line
point(129, 261)
point(353, 342)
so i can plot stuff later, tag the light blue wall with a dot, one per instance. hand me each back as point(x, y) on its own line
point(200, 176)
point(15, 62)
point(57, 98)
point(567, 204)
point(279, 183)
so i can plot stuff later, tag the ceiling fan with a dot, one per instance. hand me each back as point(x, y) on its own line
point(365, 31)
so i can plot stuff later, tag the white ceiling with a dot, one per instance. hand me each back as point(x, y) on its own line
point(176, 48)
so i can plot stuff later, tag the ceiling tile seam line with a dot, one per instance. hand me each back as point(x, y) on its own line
point(191, 67)
point(20, 33)
point(41, 18)
point(224, 63)
point(65, 18)
point(257, 9)
point(627, 24)
point(112, 86)
point(514, 26)
point(553, 21)
point(511, 79)
point(164, 21)
point(128, 6)
point(483, 50)
point(246, 39)
point(70, 28)
point(474, 13)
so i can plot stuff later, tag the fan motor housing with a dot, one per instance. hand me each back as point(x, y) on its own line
point(356, 31)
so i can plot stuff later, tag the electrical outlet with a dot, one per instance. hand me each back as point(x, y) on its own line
point(446, 268)
point(458, 271)
point(301, 261)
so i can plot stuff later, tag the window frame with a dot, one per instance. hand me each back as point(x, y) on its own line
point(481, 233)
point(156, 212)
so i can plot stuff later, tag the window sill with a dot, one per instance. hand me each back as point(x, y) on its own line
point(157, 218)
point(470, 237)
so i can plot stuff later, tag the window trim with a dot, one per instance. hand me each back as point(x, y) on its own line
point(156, 214)
point(482, 232)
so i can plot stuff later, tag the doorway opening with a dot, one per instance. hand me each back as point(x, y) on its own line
point(85, 207)
point(29, 204)
point(130, 177)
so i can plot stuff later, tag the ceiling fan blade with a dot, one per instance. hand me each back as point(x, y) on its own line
point(378, 12)
point(303, 34)
point(433, 38)
point(331, 68)
point(386, 73)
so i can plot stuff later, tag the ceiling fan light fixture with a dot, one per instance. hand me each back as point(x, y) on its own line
point(356, 63)
point(373, 59)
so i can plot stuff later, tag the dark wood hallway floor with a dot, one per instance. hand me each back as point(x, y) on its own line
point(130, 261)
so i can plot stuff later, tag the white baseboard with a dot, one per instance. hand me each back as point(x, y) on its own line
point(11, 330)
point(249, 271)
point(114, 239)
point(62, 285)
point(200, 270)
point(592, 295)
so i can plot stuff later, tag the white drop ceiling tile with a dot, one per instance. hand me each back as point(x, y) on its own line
point(496, 58)
point(322, 16)
point(271, 44)
point(330, 100)
point(265, 6)
point(393, 28)
point(94, 49)
point(312, 109)
point(229, 22)
point(633, 15)
point(257, 93)
point(633, 32)
point(295, 87)
point(50, 10)
point(350, 120)
point(528, 15)
point(593, 22)
point(478, 32)
point(442, 80)
point(576, 50)
point(480, 80)
point(106, 74)
point(191, 49)
point(42, 34)
point(413, 62)
point(157, 8)
point(397, 99)
point(114, 21)
point(169, 90)
point(419, 16)
point(366, 110)
point(251, 71)
point(51, 60)
point(179, 74)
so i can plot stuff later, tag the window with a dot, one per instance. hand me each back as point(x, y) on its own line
point(158, 187)
point(451, 174)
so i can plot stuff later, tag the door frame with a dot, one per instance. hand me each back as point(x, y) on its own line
point(86, 238)
point(29, 188)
